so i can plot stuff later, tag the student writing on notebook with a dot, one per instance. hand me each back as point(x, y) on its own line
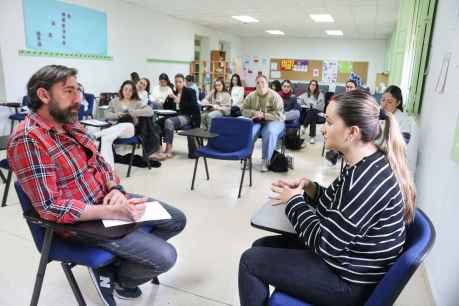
point(349, 233)
point(67, 180)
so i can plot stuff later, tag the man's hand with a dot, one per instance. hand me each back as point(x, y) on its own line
point(114, 197)
point(132, 210)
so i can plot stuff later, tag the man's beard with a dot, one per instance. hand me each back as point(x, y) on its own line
point(68, 115)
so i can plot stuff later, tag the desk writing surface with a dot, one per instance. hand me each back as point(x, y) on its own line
point(272, 218)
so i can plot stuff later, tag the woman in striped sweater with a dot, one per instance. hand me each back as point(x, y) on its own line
point(349, 234)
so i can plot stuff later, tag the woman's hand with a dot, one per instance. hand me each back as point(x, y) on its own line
point(292, 184)
point(285, 192)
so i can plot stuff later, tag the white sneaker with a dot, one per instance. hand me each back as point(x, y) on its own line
point(264, 166)
point(312, 140)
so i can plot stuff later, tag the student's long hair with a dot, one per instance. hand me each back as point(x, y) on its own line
point(358, 108)
point(316, 92)
point(239, 83)
point(396, 92)
point(215, 87)
point(135, 95)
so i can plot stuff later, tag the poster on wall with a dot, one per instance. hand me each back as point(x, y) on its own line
point(345, 67)
point(56, 26)
point(329, 71)
point(252, 66)
point(301, 66)
point(287, 64)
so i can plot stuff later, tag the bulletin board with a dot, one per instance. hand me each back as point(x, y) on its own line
point(315, 69)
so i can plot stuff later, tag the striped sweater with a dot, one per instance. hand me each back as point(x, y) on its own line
point(356, 224)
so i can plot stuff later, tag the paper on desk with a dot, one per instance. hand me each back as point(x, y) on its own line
point(93, 122)
point(153, 211)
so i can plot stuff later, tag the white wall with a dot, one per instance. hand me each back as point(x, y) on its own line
point(372, 51)
point(134, 34)
point(437, 177)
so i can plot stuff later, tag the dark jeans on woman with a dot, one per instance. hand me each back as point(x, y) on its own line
point(289, 266)
point(145, 253)
point(309, 117)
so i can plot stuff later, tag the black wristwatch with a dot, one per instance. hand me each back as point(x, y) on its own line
point(120, 188)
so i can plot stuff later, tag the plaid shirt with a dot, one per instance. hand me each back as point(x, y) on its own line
point(61, 173)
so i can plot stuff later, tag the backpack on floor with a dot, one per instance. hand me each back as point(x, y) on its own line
point(293, 140)
point(279, 162)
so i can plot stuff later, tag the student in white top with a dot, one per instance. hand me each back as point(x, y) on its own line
point(312, 103)
point(161, 91)
point(392, 102)
point(236, 90)
point(143, 89)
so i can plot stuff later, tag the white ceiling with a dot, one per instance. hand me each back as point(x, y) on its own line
point(358, 19)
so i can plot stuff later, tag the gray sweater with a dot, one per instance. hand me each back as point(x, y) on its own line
point(312, 102)
point(135, 108)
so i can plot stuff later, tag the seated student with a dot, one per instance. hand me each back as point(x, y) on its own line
point(143, 90)
point(266, 108)
point(67, 180)
point(189, 82)
point(313, 103)
point(392, 102)
point(350, 233)
point(161, 91)
point(216, 104)
point(276, 86)
point(236, 90)
point(291, 106)
point(125, 110)
point(184, 101)
point(332, 156)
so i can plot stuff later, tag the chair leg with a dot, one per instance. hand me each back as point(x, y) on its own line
point(207, 168)
point(131, 160)
point(242, 178)
point(2, 177)
point(250, 170)
point(323, 150)
point(12, 127)
point(42, 266)
point(194, 172)
point(7, 187)
point(67, 267)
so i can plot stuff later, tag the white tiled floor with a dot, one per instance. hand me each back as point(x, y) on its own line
point(217, 232)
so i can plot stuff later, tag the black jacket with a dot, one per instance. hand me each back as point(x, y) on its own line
point(188, 106)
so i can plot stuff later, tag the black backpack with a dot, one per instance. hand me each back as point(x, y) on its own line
point(279, 163)
point(293, 140)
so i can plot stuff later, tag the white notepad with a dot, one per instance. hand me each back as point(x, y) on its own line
point(94, 122)
point(153, 211)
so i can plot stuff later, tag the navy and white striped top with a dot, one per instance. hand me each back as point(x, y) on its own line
point(356, 224)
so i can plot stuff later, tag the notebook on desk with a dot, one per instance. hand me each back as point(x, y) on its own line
point(153, 211)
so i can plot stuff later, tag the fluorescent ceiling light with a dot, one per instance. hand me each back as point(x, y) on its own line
point(275, 32)
point(334, 32)
point(322, 17)
point(245, 19)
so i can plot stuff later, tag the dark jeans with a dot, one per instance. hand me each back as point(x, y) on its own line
point(289, 266)
point(309, 117)
point(145, 253)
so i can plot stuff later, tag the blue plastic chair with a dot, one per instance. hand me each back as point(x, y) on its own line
point(134, 142)
point(19, 116)
point(54, 248)
point(85, 114)
point(419, 240)
point(6, 180)
point(234, 142)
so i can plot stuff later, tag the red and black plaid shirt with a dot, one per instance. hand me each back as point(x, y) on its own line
point(61, 173)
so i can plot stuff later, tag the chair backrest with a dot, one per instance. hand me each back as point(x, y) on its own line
point(234, 134)
point(25, 101)
point(419, 240)
point(37, 231)
point(300, 88)
point(90, 98)
point(339, 89)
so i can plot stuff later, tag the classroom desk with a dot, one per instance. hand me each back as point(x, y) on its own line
point(199, 134)
point(272, 219)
